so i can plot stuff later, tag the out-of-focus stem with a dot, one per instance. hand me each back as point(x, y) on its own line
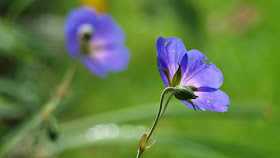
point(60, 93)
point(159, 115)
point(42, 115)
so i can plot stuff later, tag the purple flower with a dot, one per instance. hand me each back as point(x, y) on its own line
point(193, 71)
point(97, 39)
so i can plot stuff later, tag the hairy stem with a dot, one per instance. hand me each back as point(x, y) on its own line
point(139, 153)
point(159, 115)
point(166, 103)
point(161, 111)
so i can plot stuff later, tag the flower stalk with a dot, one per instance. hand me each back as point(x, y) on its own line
point(147, 136)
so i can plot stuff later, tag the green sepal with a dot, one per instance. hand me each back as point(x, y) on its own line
point(193, 88)
point(192, 104)
point(183, 92)
point(177, 77)
point(166, 74)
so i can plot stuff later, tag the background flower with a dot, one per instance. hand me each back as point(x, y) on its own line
point(104, 49)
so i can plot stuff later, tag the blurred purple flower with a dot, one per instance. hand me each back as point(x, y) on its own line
point(197, 73)
point(97, 39)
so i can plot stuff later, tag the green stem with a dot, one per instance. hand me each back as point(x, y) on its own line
point(139, 153)
point(40, 116)
point(159, 115)
point(166, 103)
point(160, 112)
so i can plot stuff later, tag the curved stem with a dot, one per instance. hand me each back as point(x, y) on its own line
point(42, 115)
point(159, 112)
point(166, 103)
point(159, 115)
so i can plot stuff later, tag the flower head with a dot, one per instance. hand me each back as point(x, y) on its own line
point(97, 39)
point(191, 73)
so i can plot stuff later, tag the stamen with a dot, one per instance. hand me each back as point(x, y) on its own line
point(85, 32)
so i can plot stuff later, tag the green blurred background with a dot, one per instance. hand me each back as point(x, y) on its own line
point(106, 117)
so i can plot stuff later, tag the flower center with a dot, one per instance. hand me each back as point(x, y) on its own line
point(85, 33)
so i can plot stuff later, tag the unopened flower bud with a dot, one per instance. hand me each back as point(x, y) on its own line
point(183, 92)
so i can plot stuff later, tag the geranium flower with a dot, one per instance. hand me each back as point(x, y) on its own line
point(97, 39)
point(191, 72)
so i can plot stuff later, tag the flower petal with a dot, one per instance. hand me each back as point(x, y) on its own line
point(214, 101)
point(113, 59)
point(94, 66)
point(108, 32)
point(171, 54)
point(194, 63)
point(74, 20)
point(160, 59)
point(184, 65)
point(199, 74)
point(175, 51)
point(162, 68)
point(190, 105)
point(161, 53)
point(206, 89)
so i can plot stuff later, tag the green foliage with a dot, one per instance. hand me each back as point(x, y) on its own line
point(241, 38)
